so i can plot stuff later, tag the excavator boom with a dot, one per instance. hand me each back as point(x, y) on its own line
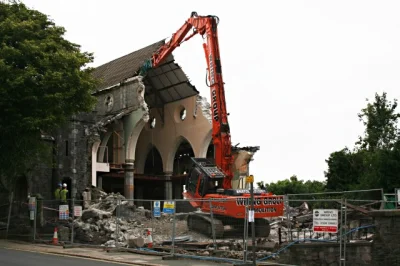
point(207, 27)
point(228, 205)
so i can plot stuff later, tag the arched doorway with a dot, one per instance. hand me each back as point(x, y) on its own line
point(153, 164)
point(210, 151)
point(21, 189)
point(182, 165)
point(20, 196)
point(182, 159)
point(150, 187)
point(68, 181)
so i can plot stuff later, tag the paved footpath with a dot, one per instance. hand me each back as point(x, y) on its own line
point(95, 254)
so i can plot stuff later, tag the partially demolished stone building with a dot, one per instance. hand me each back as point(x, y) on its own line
point(139, 138)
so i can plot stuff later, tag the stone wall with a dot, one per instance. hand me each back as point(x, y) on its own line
point(383, 250)
point(327, 254)
point(386, 245)
point(73, 148)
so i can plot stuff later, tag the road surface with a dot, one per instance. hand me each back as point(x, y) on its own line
point(13, 257)
point(26, 258)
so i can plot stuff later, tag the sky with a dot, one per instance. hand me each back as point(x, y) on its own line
point(296, 72)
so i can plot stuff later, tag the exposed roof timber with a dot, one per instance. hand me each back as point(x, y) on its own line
point(167, 82)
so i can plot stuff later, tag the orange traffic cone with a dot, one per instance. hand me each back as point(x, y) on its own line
point(55, 237)
point(149, 239)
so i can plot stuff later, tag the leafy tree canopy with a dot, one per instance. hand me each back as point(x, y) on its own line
point(293, 186)
point(375, 160)
point(44, 80)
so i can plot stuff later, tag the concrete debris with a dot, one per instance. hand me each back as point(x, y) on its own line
point(135, 242)
point(205, 107)
point(98, 223)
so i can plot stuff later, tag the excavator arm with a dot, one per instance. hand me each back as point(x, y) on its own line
point(207, 27)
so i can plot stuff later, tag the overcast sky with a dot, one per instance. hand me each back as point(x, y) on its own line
point(296, 72)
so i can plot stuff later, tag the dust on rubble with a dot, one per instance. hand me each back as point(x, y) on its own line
point(110, 220)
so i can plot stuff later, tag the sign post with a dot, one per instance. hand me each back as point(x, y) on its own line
point(250, 179)
point(325, 220)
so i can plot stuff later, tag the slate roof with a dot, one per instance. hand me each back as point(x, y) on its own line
point(164, 84)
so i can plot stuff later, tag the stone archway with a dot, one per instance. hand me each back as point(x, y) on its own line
point(181, 148)
point(102, 152)
point(207, 141)
point(178, 163)
point(133, 138)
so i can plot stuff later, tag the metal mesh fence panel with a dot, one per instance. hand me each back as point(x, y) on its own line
point(204, 229)
point(4, 218)
point(50, 217)
point(21, 223)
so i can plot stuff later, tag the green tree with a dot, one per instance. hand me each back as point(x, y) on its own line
point(375, 160)
point(293, 186)
point(380, 120)
point(44, 80)
point(344, 170)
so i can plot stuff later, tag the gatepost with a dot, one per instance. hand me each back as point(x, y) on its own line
point(32, 214)
point(250, 179)
point(169, 208)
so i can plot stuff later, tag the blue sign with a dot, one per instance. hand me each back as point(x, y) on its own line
point(156, 209)
point(169, 207)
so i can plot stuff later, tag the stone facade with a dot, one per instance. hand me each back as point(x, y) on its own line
point(72, 151)
point(386, 244)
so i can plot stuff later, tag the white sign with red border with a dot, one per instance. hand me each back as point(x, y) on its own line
point(325, 220)
point(77, 211)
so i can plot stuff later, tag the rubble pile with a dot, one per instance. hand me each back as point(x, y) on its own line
point(98, 223)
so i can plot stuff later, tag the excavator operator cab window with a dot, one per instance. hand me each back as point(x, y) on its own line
point(212, 185)
point(191, 181)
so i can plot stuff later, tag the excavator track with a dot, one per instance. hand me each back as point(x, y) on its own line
point(262, 227)
point(203, 223)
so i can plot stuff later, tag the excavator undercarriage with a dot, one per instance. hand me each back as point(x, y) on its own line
point(223, 226)
point(224, 210)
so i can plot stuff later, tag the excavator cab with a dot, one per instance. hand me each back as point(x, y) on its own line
point(204, 178)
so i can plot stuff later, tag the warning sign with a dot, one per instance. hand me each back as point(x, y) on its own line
point(77, 211)
point(32, 203)
point(169, 207)
point(325, 220)
point(63, 212)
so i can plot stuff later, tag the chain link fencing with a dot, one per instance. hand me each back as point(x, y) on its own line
point(178, 227)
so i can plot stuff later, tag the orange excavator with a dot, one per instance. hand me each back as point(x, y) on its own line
point(209, 182)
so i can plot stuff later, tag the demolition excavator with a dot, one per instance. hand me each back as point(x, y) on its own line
point(209, 182)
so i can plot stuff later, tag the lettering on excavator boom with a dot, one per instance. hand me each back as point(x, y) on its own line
point(211, 62)
point(215, 105)
point(259, 201)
